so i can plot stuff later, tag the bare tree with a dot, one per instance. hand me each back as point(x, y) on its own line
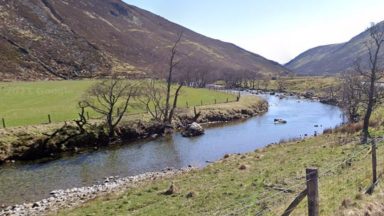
point(161, 100)
point(266, 81)
point(111, 98)
point(169, 111)
point(281, 84)
point(375, 72)
point(153, 97)
point(351, 94)
point(82, 121)
point(331, 91)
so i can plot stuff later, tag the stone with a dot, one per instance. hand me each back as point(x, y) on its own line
point(190, 194)
point(279, 121)
point(193, 130)
point(35, 205)
point(171, 190)
point(242, 167)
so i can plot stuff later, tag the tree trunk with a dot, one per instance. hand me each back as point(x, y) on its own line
point(367, 116)
point(171, 113)
point(169, 82)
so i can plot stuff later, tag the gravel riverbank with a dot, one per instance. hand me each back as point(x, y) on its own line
point(74, 197)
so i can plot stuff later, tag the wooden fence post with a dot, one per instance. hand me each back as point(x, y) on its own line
point(313, 193)
point(49, 119)
point(88, 115)
point(201, 102)
point(215, 101)
point(3, 120)
point(227, 100)
point(187, 104)
point(295, 203)
point(374, 168)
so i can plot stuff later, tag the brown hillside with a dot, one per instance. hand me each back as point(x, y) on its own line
point(42, 39)
point(335, 58)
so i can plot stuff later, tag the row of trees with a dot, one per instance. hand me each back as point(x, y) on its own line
point(111, 98)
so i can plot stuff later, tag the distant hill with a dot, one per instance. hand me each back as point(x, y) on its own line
point(335, 58)
point(49, 39)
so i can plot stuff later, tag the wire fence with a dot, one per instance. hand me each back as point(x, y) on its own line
point(354, 166)
point(90, 115)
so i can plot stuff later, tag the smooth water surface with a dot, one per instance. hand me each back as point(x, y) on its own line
point(31, 182)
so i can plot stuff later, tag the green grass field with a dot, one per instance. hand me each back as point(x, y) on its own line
point(317, 84)
point(29, 103)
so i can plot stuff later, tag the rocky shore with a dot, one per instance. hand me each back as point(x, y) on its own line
point(310, 95)
point(70, 198)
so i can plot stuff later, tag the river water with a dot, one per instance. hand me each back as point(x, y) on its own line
point(27, 182)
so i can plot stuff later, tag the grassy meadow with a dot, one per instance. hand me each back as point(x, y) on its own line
point(317, 84)
point(29, 103)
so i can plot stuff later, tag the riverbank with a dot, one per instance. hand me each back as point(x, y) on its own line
point(36, 142)
point(265, 180)
point(321, 88)
point(30, 103)
point(74, 197)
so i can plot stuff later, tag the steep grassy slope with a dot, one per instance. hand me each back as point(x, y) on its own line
point(335, 58)
point(78, 38)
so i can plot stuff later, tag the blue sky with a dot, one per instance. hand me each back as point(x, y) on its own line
point(276, 29)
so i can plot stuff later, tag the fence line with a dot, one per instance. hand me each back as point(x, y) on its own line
point(357, 155)
point(50, 119)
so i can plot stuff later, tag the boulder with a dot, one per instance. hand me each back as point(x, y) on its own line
point(192, 130)
point(279, 121)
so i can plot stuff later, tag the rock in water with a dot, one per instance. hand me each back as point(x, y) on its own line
point(192, 130)
point(279, 121)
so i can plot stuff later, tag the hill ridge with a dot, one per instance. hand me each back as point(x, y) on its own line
point(78, 38)
point(333, 58)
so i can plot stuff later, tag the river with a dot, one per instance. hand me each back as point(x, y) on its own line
point(26, 182)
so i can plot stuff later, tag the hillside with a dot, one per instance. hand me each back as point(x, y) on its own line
point(50, 39)
point(334, 58)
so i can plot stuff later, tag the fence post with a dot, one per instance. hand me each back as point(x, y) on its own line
point(215, 101)
point(313, 193)
point(201, 102)
point(187, 104)
point(49, 119)
point(87, 115)
point(3, 120)
point(374, 168)
point(295, 202)
point(227, 100)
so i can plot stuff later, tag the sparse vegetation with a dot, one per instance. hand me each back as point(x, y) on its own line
point(321, 85)
point(111, 98)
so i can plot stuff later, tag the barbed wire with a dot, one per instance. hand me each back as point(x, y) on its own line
point(264, 200)
point(355, 154)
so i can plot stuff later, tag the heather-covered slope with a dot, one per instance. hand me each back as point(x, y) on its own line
point(335, 58)
point(82, 38)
